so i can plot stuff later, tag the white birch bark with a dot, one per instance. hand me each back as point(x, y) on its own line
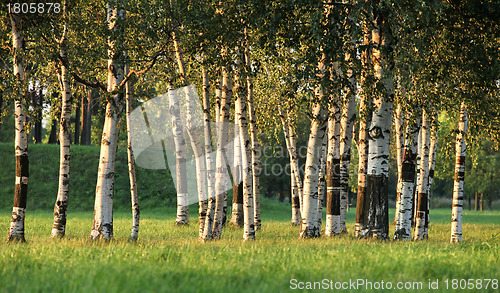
point(61, 205)
point(332, 227)
point(212, 172)
point(246, 159)
point(237, 218)
point(16, 230)
point(377, 224)
point(206, 214)
point(182, 217)
point(220, 164)
point(346, 126)
point(364, 124)
point(458, 184)
point(254, 141)
point(422, 199)
point(403, 222)
point(134, 234)
point(419, 161)
point(292, 153)
point(102, 226)
point(399, 125)
point(309, 226)
point(432, 162)
point(322, 179)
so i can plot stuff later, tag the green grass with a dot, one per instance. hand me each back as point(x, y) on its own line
point(155, 186)
point(171, 259)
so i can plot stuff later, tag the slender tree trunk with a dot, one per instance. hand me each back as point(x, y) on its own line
point(346, 126)
point(364, 125)
point(398, 121)
point(182, 217)
point(246, 156)
point(37, 102)
point(237, 218)
point(61, 205)
point(403, 223)
point(134, 234)
point(16, 230)
point(102, 226)
point(322, 179)
point(77, 119)
point(254, 140)
point(458, 186)
point(220, 164)
point(419, 162)
point(422, 198)
point(332, 227)
point(296, 185)
point(309, 226)
point(86, 119)
point(206, 214)
point(376, 222)
point(432, 162)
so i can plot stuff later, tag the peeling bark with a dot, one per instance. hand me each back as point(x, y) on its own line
point(458, 185)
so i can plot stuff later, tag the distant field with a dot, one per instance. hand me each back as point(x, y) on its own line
point(171, 259)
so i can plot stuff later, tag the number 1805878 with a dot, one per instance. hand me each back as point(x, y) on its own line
point(33, 8)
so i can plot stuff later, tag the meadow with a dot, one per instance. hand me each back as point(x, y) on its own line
point(167, 258)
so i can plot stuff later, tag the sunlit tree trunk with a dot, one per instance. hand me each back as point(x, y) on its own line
point(102, 226)
point(237, 218)
point(332, 226)
point(458, 185)
point(61, 205)
point(432, 164)
point(134, 234)
point(16, 230)
point(255, 142)
point(399, 127)
point(422, 199)
point(220, 164)
point(246, 159)
point(364, 124)
point(292, 153)
point(403, 223)
point(322, 179)
point(206, 214)
point(212, 172)
point(376, 222)
point(346, 127)
point(309, 226)
point(417, 182)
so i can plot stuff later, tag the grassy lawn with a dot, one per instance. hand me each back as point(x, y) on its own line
point(171, 259)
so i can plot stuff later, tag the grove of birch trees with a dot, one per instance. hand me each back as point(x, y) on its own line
point(364, 79)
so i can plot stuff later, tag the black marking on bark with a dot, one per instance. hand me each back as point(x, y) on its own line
point(376, 217)
point(408, 172)
point(459, 176)
point(431, 173)
point(375, 133)
point(460, 160)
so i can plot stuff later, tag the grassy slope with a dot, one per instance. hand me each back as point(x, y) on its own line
point(155, 186)
point(171, 259)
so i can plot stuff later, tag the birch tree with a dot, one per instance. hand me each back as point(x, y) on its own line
point(405, 209)
point(458, 184)
point(421, 212)
point(134, 234)
point(102, 226)
point(332, 227)
point(376, 223)
point(399, 127)
point(16, 230)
